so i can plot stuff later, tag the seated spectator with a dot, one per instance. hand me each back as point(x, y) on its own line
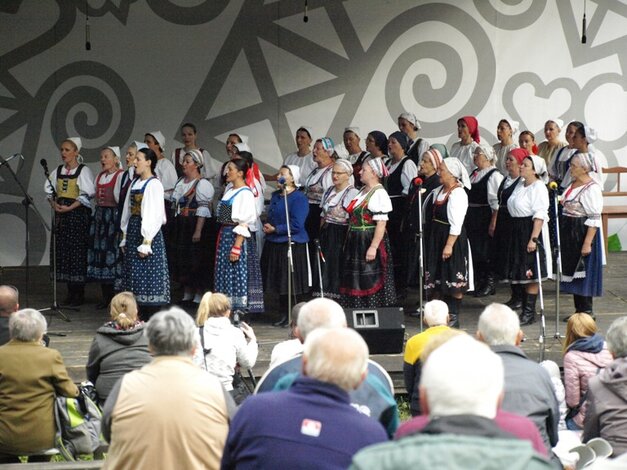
point(558, 387)
point(585, 354)
point(169, 413)
point(220, 345)
point(606, 415)
point(9, 303)
point(374, 397)
point(30, 377)
point(460, 389)
point(311, 425)
point(119, 346)
point(291, 347)
point(528, 387)
point(436, 319)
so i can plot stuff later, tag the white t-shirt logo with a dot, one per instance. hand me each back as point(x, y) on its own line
point(310, 427)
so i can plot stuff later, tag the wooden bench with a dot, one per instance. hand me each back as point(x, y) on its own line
point(613, 212)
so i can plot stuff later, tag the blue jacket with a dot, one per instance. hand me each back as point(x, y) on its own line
point(298, 208)
point(311, 425)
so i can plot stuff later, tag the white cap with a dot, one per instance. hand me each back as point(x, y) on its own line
point(354, 130)
point(115, 149)
point(411, 117)
point(159, 138)
point(139, 145)
point(243, 147)
point(77, 141)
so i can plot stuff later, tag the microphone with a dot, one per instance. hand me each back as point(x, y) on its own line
point(417, 181)
point(44, 164)
point(305, 18)
point(583, 29)
point(553, 186)
point(281, 180)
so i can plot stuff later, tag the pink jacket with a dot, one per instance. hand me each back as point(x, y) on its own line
point(578, 368)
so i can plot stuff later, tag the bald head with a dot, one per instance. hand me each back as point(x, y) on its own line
point(9, 300)
point(338, 356)
point(319, 313)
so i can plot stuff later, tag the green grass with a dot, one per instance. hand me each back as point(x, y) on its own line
point(402, 402)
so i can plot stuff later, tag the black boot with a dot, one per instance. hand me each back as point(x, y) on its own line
point(453, 311)
point(528, 315)
point(69, 298)
point(488, 287)
point(516, 300)
point(107, 295)
point(78, 297)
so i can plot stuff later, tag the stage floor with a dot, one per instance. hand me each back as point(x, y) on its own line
point(78, 333)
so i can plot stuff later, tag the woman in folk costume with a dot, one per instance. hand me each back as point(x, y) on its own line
point(528, 206)
point(552, 144)
point(145, 263)
point(505, 132)
point(317, 182)
point(237, 271)
point(367, 277)
point(189, 136)
point(469, 138)
point(103, 262)
point(448, 272)
point(193, 233)
point(71, 201)
point(582, 241)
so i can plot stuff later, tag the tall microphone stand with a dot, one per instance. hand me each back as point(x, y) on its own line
point(558, 263)
point(54, 308)
point(26, 202)
point(321, 259)
point(542, 338)
point(419, 236)
point(290, 258)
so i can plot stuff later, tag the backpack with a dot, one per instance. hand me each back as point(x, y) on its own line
point(78, 423)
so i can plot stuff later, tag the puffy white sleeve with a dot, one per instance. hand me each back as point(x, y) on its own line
point(244, 212)
point(204, 195)
point(86, 186)
point(118, 187)
point(166, 173)
point(48, 187)
point(456, 210)
point(380, 204)
point(153, 214)
point(494, 182)
point(540, 201)
point(592, 202)
point(126, 215)
point(410, 171)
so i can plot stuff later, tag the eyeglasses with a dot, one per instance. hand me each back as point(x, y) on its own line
point(339, 173)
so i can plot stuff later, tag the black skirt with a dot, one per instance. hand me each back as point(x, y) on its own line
point(274, 268)
point(502, 244)
point(72, 241)
point(332, 238)
point(522, 266)
point(477, 222)
point(446, 276)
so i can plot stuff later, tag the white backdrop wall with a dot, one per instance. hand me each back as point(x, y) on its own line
point(255, 67)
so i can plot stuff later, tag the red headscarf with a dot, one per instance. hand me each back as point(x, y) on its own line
point(473, 127)
point(519, 154)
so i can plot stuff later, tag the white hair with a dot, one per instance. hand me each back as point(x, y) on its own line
point(336, 355)
point(27, 325)
point(436, 313)
point(616, 337)
point(320, 313)
point(463, 376)
point(499, 325)
point(171, 333)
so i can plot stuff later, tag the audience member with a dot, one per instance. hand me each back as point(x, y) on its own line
point(119, 346)
point(169, 413)
point(374, 397)
point(436, 319)
point(312, 424)
point(528, 387)
point(460, 389)
point(606, 416)
point(290, 347)
point(9, 303)
point(30, 377)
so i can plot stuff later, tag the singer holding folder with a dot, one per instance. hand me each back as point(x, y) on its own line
point(274, 259)
point(71, 200)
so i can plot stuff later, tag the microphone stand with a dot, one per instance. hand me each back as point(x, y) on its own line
point(542, 338)
point(320, 260)
point(419, 235)
point(26, 202)
point(54, 308)
point(290, 259)
point(558, 263)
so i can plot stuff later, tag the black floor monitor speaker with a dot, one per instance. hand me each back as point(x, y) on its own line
point(383, 329)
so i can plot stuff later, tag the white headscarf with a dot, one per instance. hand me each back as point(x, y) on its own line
point(79, 144)
point(348, 167)
point(295, 170)
point(539, 167)
point(488, 151)
point(590, 134)
point(458, 170)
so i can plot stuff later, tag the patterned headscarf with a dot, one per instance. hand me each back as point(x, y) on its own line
point(378, 167)
point(327, 144)
point(458, 170)
point(473, 127)
point(587, 161)
point(434, 156)
point(197, 156)
point(345, 164)
point(488, 151)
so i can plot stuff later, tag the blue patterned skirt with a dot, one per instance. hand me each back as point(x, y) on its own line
point(240, 281)
point(103, 261)
point(147, 278)
point(71, 242)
